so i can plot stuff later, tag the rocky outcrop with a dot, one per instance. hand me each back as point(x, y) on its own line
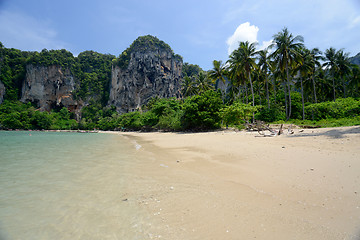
point(49, 87)
point(149, 73)
point(2, 92)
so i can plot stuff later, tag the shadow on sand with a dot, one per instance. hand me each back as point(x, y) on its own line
point(333, 133)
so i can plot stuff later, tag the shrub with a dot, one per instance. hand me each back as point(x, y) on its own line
point(201, 112)
point(341, 108)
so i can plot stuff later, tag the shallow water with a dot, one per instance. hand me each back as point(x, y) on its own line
point(56, 185)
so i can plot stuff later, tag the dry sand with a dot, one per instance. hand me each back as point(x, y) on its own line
point(236, 185)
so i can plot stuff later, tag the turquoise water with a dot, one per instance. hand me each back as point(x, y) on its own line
point(56, 185)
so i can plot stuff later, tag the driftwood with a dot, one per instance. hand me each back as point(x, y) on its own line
point(262, 128)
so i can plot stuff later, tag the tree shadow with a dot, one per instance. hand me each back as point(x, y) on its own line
point(333, 133)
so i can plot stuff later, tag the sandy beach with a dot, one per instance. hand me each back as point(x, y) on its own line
point(238, 185)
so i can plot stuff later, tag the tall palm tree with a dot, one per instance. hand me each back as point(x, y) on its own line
point(331, 66)
point(355, 80)
point(344, 67)
point(203, 83)
point(304, 68)
point(315, 58)
point(286, 51)
point(265, 65)
point(217, 74)
point(235, 73)
point(243, 59)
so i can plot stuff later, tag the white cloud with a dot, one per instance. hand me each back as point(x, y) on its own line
point(265, 44)
point(244, 32)
point(27, 33)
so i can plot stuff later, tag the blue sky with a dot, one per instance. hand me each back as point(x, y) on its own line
point(200, 31)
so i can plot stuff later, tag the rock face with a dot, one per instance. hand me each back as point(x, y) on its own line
point(49, 87)
point(150, 73)
point(2, 92)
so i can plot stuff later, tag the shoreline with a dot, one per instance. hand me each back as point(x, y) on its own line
point(231, 185)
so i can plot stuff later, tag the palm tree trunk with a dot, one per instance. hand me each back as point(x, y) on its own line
point(267, 92)
point(313, 80)
point(302, 98)
point(252, 93)
point(286, 103)
point(259, 95)
point(288, 83)
point(333, 80)
point(274, 83)
point(246, 92)
point(344, 87)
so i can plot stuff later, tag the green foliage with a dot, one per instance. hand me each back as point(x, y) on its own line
point(237, 113)
point(341, 108)
point(201, 112)
point(46, 57)
point(191, 70)
point(143, 44)
point(12, 71)
point(131, 121)
point(17, 115)
point(93, 71)
point(273, 114)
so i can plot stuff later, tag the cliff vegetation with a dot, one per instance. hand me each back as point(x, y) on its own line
point(288, 84)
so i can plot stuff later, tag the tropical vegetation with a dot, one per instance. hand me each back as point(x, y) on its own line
point(284, 82)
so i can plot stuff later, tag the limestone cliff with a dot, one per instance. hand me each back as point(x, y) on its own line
point(2, 92)
point(150, 70)
point(49, 87)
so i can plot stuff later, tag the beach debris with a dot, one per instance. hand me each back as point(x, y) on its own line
point(283, 147)
point(311, 169)
point(171, 188)
point(177, 161)
point(163, 165)
point(125, 199)
point(261, 127)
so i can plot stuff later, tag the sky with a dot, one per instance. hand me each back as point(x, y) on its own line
point(200, 31)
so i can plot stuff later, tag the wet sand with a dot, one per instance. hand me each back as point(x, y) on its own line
point(237, 185)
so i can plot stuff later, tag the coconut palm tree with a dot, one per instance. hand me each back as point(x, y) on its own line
point(265, 65)
point(344, 67)
point(315, 58)
point(286, 51)
point(304, 68)
point(217, 74)
point(188, 87)
point(355, 80)
point(203, 83)
point(331, 66)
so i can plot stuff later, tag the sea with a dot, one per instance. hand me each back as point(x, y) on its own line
point(69, 185)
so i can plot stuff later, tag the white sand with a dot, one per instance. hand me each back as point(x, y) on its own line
point(234, 185)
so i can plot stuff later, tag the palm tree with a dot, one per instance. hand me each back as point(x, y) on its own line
point(314, 58)
point(188, 87)
point(218, 74)
point(344, 67)
point(304, 68)
point(203, 83)
point(355, 80)
point(265, 65)
point(331, 66)
point(243, 60)
point(235, 73)
point(285, 53)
